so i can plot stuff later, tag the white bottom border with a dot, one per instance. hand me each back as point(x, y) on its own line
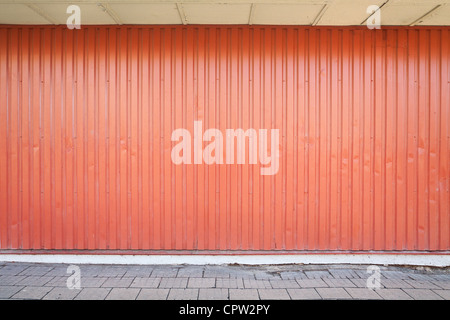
point(436, 260)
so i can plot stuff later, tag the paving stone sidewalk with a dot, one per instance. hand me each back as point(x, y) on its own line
point(221, 282)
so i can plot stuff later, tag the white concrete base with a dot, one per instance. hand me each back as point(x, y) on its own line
point(437, 260)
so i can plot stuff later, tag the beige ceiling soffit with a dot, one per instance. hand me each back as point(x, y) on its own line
point(320, 14)
point(41, 12)
point(252, 14)
point(106, 8)
point(428, 14)
point(384, 5)
point(182, 14)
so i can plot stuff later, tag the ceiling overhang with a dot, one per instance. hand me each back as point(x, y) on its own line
point(250, 12)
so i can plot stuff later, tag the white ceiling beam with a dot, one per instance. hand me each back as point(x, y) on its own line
point(429, 13)
point(107, 9)
point(42, 13)
point(320, 14)
point(385, 5)
point(252, 14)
point(182, 14)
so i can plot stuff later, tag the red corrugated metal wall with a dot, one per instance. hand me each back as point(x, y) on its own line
point(86, 118)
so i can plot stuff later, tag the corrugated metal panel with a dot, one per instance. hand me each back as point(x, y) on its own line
point(86, 118)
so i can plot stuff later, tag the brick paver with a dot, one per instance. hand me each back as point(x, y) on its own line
point(213, 294)
point(318, 274)
point(235, 283)
point(201, 283)
point(443, 293)
point(273, 294)
point(153, 294)
point(117, 283)
point(343, 273)
point(61, 294)
point(183, 294)
point(123, 294)
point(423, 294)
point(93, 294)
point(393, 294)
point(311, 283)
point(190, 282)
point(284, 284)
point(363, 293)
point(244, 294)
point(173, 283)
point(257, 284)
point(417, 284)
point(303, 294)
point(7, 292)
point(333, 293)
point(32, 292)
point(339, 283)
point(141, 282)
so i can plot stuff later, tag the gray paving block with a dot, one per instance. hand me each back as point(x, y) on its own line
point(92, 282)
point(263, 275)
point(441, 277)
point(273, 294)
point(312, 283)
point(138, 271)
point(303, 294)
point(420, 276)
point(339, 283)
point(201, 283)
point(444, 284)
point(257, 284)
point(167, 272)
point(13, 269)
point(217, 272)
point(318, 274)
point(191, 272)
point(292, 275)
point(422, 284)
point(153, 294)
point(393, 294)
point(36, 271)
point(34, 281)
point(213, 294)
point(32, 292)
point(57, 282)
point(229, 283)
point(343, 273)
point(111, 271)
point(145, 282)
point(115, 283)
point(183, 294)
point(92, 271)
point(61, 294)
point(362, 283)
point(245, 274)
point(391, 274)
point(363, 293)
point(284, 284)
point(333, 293)
point(123, 294)
point(445, 294)
point(243, 294)
point(8, 280)
point(394, 283)
point(93, 294)
point(422, 294)
point(173, 283)
point(59, 271)
point(7, 292)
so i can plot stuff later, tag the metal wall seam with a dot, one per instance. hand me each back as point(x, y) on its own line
point(87, 119)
